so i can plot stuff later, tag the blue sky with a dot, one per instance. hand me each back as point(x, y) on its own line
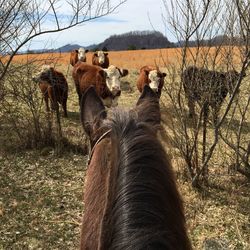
point(132, 15)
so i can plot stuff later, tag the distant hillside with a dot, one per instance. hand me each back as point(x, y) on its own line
point(136, 40)
point(70, 47)
point(216, 41)
point(67, 48)
point(142, 40)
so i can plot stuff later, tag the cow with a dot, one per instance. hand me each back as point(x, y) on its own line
point(106, 81)
point(100, 58)
point(152, 76)
point(78, 55)
point(207, 88)
point(54, 87)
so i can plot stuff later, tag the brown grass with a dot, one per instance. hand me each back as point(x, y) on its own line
point(135, 59)
point(41, 193)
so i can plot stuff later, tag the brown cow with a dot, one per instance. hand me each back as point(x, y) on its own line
point(208, 88)
point(100, 58)
point(78, 55)
point(54, 86)
point(106, 81)
point(152, 76)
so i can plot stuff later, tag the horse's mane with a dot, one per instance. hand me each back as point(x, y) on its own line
point(145, 208)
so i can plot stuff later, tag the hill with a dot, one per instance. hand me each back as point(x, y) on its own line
point(215, 41)
point(136, 40)
point(142, 40)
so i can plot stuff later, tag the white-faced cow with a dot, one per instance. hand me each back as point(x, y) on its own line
point(207, 88)
point(106, 81)
point(54, 87)
point(152, 76)
point(78, 55)
point(100, 58)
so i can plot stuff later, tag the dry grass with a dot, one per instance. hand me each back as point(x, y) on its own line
point(135, 59)
point(41, 193)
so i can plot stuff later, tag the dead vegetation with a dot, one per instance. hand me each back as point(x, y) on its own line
point(41, 190)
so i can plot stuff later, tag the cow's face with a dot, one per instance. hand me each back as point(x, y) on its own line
point(82, 54)
point(101, 56)
point(44, 70)
point(113, 75)
point(232, 79)
point(155, 79)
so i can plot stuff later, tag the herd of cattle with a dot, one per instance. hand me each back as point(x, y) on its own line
point(200, 85)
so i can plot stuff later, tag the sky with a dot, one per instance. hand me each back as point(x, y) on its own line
point(133, 15)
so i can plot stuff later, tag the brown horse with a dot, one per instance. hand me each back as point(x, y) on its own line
point(131, 198)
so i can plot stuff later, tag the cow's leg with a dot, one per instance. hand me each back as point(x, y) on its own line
point(64, 105)
point(46, 99)
point(191, 107)
point(79, 98)
point(53, 99)
point(204, 140)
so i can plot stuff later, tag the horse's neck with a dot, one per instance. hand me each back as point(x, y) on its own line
point(131, 218)
point(95, 196)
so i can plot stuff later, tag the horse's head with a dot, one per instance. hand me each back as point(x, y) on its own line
point(93, 112)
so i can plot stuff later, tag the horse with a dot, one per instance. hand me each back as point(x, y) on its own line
point(130, 195)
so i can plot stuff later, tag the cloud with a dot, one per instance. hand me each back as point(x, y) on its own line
point(131, 16)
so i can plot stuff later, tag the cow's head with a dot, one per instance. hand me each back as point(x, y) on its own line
point(45, 70)
point(113, 75)
point(101, 56)
point(82, 54)
point(232, 78)
point(155, 77)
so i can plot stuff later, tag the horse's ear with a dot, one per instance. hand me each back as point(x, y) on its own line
point(92, 111)
point(148, 107)
point(146, 93)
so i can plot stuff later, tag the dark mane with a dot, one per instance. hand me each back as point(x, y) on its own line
point(146, 209)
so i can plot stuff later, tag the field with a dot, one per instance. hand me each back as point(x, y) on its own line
point(135, 59)
point(41, 192)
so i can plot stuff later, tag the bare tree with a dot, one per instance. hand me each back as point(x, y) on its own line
point(20, 22)
point(196, 25)
point(23, 20)
point(237, 140)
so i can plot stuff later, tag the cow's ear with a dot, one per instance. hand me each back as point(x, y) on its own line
point(103, 73)
point(95, 54)
point(148, 107)
point(86, 51)
point(124, 72)
point(146, 72)
point(106, 53)
point(92, 111)
point(76, 50)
